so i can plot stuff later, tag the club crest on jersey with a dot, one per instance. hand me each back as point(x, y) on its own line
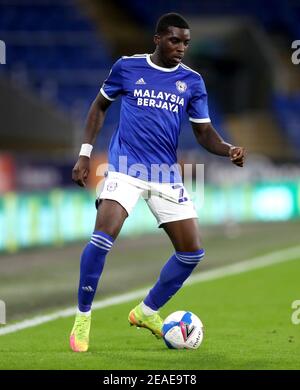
point(112, 186)
point(181, 86)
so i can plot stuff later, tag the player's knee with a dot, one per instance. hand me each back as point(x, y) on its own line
point(112, 230)
point(189, 244)
point(110, 226)
point(110, 218)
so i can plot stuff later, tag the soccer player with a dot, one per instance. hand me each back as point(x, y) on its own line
point(156, 90)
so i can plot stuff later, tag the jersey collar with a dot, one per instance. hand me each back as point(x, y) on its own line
point(160, 67)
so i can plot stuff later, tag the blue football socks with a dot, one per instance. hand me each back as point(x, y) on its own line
point(91, 266)
point(177, 269)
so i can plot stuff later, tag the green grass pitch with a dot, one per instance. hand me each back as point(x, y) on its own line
point(247, 319)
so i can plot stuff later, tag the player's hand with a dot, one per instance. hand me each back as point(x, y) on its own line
point(237, 155)
point(81, 171)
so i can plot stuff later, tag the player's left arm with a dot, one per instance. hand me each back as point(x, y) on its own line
point(209, 138)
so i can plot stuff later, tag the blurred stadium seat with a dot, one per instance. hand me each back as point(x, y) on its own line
point(54, 42)
point(271, 13)
point(287, 110)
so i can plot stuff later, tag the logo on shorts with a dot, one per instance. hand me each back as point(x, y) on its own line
point(112, 186)
point(181, 86)
point(88, 289)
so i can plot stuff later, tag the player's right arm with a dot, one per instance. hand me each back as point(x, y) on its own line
point(111, 88)
point(94, 123)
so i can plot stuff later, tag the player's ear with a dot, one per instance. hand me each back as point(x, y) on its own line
point(156, 39)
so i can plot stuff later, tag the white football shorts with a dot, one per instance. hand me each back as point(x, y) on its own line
point(167, 202)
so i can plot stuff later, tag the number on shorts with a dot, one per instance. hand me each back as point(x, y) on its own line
point(181, 197)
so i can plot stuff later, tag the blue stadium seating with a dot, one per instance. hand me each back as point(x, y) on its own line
point(271, 13)
point(58, 16)
point(50, 41)
point(287, 111)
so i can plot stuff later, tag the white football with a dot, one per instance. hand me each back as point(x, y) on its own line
point(182, 330)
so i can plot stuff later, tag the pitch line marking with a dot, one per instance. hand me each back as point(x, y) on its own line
point(221, 272)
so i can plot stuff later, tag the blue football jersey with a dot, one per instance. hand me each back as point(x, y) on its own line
point(154, 100)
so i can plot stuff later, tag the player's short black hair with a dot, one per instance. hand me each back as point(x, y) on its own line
point(170, 20)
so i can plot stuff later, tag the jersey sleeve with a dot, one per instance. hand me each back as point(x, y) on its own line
point(197, 108)
point(113, 85)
